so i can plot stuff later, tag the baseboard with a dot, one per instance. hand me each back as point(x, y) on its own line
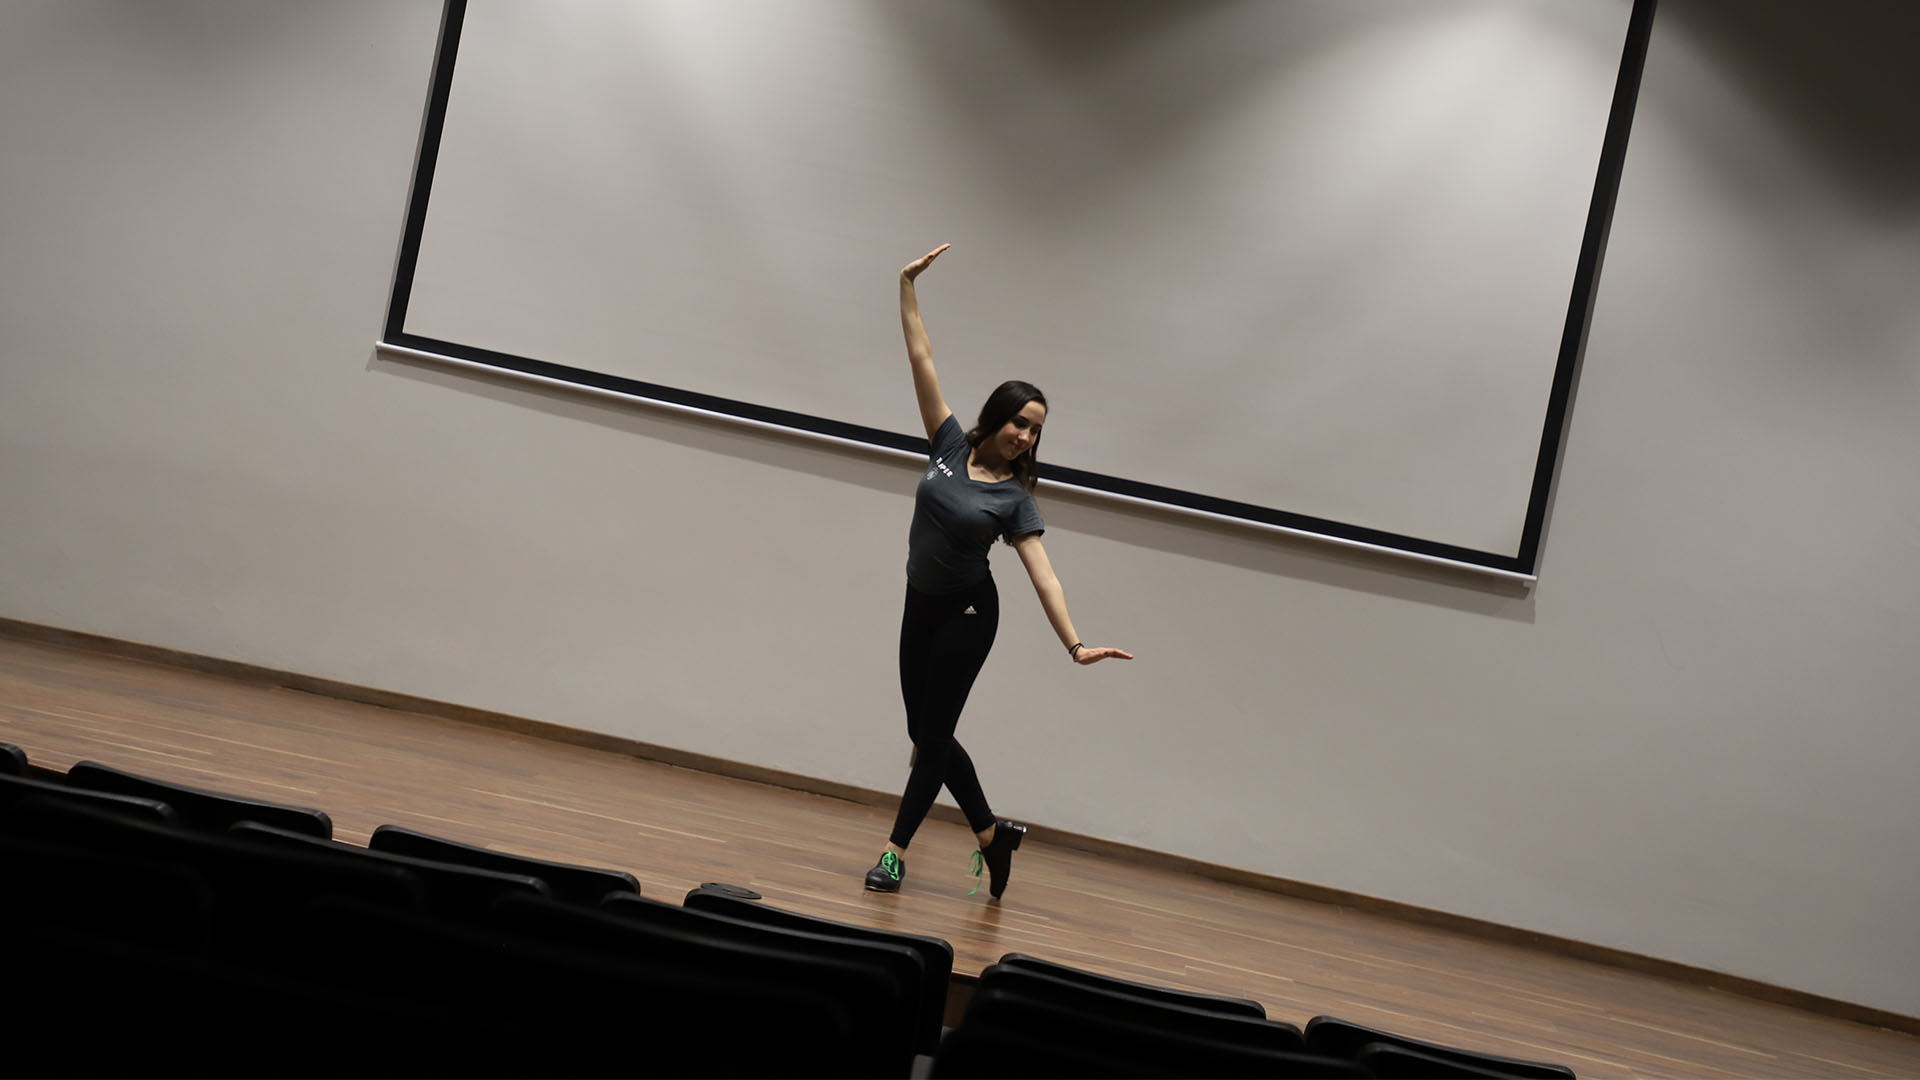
point(1478, 928)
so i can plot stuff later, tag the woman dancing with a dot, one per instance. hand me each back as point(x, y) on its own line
point(978, 487)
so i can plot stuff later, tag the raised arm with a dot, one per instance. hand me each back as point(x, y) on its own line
point(926, 385)
point(1053, 599)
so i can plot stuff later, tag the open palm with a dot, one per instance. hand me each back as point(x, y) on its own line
point(913, 269)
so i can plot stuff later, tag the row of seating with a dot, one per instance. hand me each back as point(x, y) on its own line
point(181, 929)
point(1032, 1018)
point(166, 928)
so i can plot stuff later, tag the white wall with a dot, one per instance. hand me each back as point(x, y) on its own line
point(1693, 739)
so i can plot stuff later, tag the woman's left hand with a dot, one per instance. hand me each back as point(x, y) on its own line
point(1088, 654)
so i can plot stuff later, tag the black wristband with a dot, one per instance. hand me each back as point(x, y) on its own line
point(1073, 650)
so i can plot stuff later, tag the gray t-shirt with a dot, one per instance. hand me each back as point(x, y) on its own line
point(957, 518)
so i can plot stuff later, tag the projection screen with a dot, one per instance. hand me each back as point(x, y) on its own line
point(1322, 266)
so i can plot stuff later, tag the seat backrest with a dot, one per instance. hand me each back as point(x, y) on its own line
point(22, 789)
point(1342, 1038)
point(1211, 1002)
point(1390, 1062)
point(874, 983)
point(198, 807)
point(551, 988)
point(1007, 1032)
point(346, 984)
point(255, 888)
point(978, 1050)
point(577, 884)
point(13, 760)
point(936, 956)
point(452, 890)
point(1145, 1012)
point(56, 896)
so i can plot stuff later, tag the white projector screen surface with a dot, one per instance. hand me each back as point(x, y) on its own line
point(1311, 256)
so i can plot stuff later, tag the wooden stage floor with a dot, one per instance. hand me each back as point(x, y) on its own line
point(674, 828)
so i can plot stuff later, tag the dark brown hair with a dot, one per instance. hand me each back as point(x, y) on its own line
point(1002, 405)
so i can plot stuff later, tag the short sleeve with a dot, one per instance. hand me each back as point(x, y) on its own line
point(948, 438)
point(1026, 520)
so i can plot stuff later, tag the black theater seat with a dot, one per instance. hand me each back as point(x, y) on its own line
point(200, 808)
point(1009, 1030)
point(1167, 995)
point(16, 790)
point(1344, 1039)
point(936, 956)
point(451, 890)
point(864, 988)
point(576, 884)
point(550, 988)
point(1154, 1013)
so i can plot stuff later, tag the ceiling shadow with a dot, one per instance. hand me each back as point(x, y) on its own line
point(1840, 77)
point(1123, 80)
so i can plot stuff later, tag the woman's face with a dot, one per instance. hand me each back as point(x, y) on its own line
point(1018, 435)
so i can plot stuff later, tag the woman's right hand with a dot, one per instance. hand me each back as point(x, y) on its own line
point(912, 270)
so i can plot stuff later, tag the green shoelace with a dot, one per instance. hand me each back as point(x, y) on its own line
point(891, 864)
point(979, 861)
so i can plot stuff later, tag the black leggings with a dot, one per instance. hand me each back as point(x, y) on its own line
point(943, 641)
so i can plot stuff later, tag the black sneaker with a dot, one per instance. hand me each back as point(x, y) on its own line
point(998, 856)
point(886, 875)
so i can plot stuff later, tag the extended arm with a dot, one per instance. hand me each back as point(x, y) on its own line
point(926, 385)
point(1053, 599)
